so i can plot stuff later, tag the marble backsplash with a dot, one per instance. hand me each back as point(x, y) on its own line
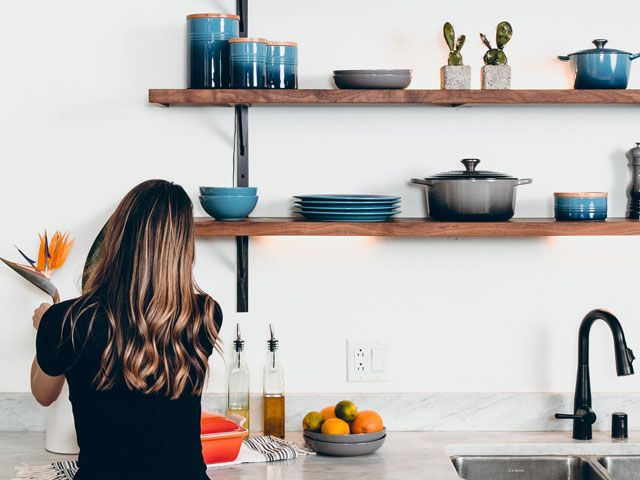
point(401, 411)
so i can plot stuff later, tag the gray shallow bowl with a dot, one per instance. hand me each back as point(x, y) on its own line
point(386, 81)
point(345, 449)
point(350, 438)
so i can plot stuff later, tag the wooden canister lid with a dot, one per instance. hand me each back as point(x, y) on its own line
point(213, 15)
point(282, 42)
point(581, 194)
point(247, 39)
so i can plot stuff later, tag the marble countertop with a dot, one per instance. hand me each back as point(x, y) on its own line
point(404, 455)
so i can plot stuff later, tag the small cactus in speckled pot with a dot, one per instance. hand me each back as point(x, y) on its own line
point(496, 56)
point(455, 46)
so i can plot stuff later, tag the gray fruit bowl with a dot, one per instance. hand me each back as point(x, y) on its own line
point(372, 79)
point(349, 438)
point(344, 449)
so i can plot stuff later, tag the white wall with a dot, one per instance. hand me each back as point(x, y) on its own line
point(462, 315)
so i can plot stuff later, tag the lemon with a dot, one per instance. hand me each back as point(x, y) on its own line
point(312, 422)
point(346, 410)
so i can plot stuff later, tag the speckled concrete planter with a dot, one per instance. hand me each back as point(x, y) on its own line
point(496, 77)
point(455, 77)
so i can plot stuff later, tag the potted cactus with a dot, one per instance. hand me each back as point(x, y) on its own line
point(496, 74)
point(455, 75)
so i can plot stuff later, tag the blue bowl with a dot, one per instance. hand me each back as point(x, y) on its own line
point(226, 207)
point(580, 206)
point(229, 191)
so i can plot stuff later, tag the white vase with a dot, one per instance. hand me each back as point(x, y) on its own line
point(61, 431)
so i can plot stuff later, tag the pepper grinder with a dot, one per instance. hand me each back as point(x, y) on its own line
point(634, 190)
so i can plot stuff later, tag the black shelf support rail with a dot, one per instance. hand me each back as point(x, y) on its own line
point(241, 140)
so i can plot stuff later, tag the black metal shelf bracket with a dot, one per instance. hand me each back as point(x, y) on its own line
point(241, 141)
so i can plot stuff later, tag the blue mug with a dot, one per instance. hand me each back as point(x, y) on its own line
point(208, 36)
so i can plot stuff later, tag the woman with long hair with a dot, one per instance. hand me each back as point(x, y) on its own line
point(134, 347)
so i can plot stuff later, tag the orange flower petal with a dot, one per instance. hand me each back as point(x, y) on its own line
point(42, 255)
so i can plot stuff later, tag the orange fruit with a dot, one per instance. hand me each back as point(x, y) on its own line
point(367, 421)
point(346, 410)
point(335, 426)
point(329, 412)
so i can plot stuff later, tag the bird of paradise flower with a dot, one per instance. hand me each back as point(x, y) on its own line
point(51, 256)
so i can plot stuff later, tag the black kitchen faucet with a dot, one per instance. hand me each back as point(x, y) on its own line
point(583, 416)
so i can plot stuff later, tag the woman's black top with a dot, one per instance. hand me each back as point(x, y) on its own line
point(122, 434)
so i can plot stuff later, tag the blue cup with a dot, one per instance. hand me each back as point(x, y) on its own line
point(248, 62)
point(282, 64)
point(208, 36)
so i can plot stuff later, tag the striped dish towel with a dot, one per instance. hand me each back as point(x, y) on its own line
point(253, 450)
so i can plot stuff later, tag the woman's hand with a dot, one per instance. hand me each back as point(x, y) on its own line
point(38, 313)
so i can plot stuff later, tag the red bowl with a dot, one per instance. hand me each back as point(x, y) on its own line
point(221, 438)
point(222, 447)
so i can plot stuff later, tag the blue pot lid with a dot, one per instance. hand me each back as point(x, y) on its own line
point(600, 43)
point(471, 173)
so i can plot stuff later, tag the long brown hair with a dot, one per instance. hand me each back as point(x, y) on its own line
point(142, 281)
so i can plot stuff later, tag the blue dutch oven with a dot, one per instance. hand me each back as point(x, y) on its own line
point(600, 68)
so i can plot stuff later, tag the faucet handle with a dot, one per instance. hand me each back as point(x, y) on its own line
point(584, 415)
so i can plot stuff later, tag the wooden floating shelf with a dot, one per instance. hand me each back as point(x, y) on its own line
point(415, 227)
point(230, 97)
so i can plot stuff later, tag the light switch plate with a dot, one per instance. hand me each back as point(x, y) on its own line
point(367, 361)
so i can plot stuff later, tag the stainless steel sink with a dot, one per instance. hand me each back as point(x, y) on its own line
point(529, 468)
point(622, 467)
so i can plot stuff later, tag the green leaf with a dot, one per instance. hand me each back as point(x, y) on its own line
point(449, 35)
point(35, 278)
point(504, 32)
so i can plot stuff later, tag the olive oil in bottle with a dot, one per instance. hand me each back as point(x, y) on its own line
point(273, 401)
point(238, 382)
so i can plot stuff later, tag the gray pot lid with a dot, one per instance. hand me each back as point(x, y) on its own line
point(600, 43)
point(471, 173)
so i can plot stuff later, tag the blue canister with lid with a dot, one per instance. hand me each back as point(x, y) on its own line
point(580, 205)
point(208, 36)
point(248, 62)
point(282, 64)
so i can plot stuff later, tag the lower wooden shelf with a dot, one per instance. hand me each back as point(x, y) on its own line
point(415, 227)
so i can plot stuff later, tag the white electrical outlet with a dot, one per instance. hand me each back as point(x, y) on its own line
point(367, 361)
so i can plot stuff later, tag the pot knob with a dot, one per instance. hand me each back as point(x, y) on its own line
point(470, 164)
point(600, 42)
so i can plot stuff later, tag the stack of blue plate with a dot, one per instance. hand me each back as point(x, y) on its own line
point(347, 208)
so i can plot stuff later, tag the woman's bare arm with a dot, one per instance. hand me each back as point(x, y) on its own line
point(45, 388)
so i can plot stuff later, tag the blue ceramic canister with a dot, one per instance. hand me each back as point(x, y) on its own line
point(208, 36)
point(282, 64)
point(581, 206)
point(248, 62)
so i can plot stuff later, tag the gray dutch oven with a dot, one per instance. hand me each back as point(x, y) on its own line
point(471, 195)
point(600, 68)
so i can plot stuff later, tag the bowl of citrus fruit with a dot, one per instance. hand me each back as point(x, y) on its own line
point(342, 430)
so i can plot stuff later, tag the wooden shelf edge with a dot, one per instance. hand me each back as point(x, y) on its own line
point(416, 227)
point(230, 97)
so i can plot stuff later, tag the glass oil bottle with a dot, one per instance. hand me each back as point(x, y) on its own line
point(273, 396)
point(238, 382)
